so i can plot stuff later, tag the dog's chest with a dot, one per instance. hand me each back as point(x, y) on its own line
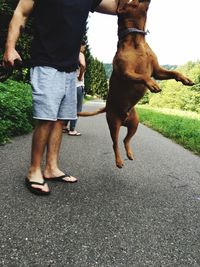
point(138, 60)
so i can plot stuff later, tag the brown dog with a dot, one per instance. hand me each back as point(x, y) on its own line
point(134, 65)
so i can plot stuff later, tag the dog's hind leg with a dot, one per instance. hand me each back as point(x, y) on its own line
point(131, 124)
point(114, 124)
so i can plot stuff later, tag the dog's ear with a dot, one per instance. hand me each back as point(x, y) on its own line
point(145, 4)
point(120, 8)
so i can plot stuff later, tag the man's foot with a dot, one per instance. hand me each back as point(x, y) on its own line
point(67, 178)
point(74, 133)
point(37, 187)
point(58, 176)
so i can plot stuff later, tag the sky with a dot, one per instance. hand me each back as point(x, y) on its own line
point(174, 32)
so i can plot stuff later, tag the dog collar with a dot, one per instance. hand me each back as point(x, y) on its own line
point(122, 34)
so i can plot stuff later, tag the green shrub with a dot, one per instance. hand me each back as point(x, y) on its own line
point(175, 95)
point(15, 109)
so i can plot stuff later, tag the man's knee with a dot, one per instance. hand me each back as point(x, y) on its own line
point(44, 124)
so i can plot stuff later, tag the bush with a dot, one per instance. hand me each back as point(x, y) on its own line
point(175, 95)
point(15, 109)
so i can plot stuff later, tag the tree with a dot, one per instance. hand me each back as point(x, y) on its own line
point(95, 76)
point(23, 45)
point(6, 11)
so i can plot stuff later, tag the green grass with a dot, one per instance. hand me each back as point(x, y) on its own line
point(89, 98)
point(182, 127)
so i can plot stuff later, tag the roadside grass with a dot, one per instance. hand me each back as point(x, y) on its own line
point(89, 98)
point(181, 126)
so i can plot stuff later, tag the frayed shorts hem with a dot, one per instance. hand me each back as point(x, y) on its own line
point(50, 119)
point(44, 119)
point(67, 119)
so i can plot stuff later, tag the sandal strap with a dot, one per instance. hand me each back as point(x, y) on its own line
point(36, 183)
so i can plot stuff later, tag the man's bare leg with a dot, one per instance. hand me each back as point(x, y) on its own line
point(39, 141)
point(53, 147)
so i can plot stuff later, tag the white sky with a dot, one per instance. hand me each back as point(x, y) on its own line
point(174, 32)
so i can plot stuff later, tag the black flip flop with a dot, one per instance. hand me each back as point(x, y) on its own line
point(60, 179)
point(34, 190)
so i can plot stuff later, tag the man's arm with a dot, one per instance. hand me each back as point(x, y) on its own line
point(108, 7)
point(16, 25)
point(82, 66)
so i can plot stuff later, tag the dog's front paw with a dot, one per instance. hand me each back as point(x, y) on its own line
point(153, 86)
point(185, 80)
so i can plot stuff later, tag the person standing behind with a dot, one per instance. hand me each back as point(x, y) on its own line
point(80, 92)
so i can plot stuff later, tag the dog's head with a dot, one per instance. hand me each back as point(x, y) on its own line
point(134, 7)
point(132, 13)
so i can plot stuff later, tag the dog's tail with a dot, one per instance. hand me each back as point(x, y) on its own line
point(91, 113)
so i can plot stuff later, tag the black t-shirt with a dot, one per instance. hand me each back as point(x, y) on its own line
point(59, 28)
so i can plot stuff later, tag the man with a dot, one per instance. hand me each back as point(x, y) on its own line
point(59, 27)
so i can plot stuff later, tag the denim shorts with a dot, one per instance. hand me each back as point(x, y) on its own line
point(54, 94)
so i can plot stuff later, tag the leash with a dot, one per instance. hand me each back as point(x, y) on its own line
point(123, 33)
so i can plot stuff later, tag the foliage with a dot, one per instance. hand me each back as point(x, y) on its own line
point(15, 109)
point(169, 67)
point(145, 99)
point(23, 45)
point(108, 69)
point(95, 76)
point(6, 10)
point(183, 129)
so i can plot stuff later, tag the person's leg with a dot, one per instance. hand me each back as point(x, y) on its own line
point(53, 148)
point(66, 127)
point(80, 94)
point(73, 122)
point(39, 141)
point(72, 130)
point(72, 125)
point(52, 169)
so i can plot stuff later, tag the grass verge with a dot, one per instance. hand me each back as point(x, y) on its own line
point(182, 127)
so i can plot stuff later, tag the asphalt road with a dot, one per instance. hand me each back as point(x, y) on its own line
point(146, 214)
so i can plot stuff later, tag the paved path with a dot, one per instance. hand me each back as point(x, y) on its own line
point(146, 214)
